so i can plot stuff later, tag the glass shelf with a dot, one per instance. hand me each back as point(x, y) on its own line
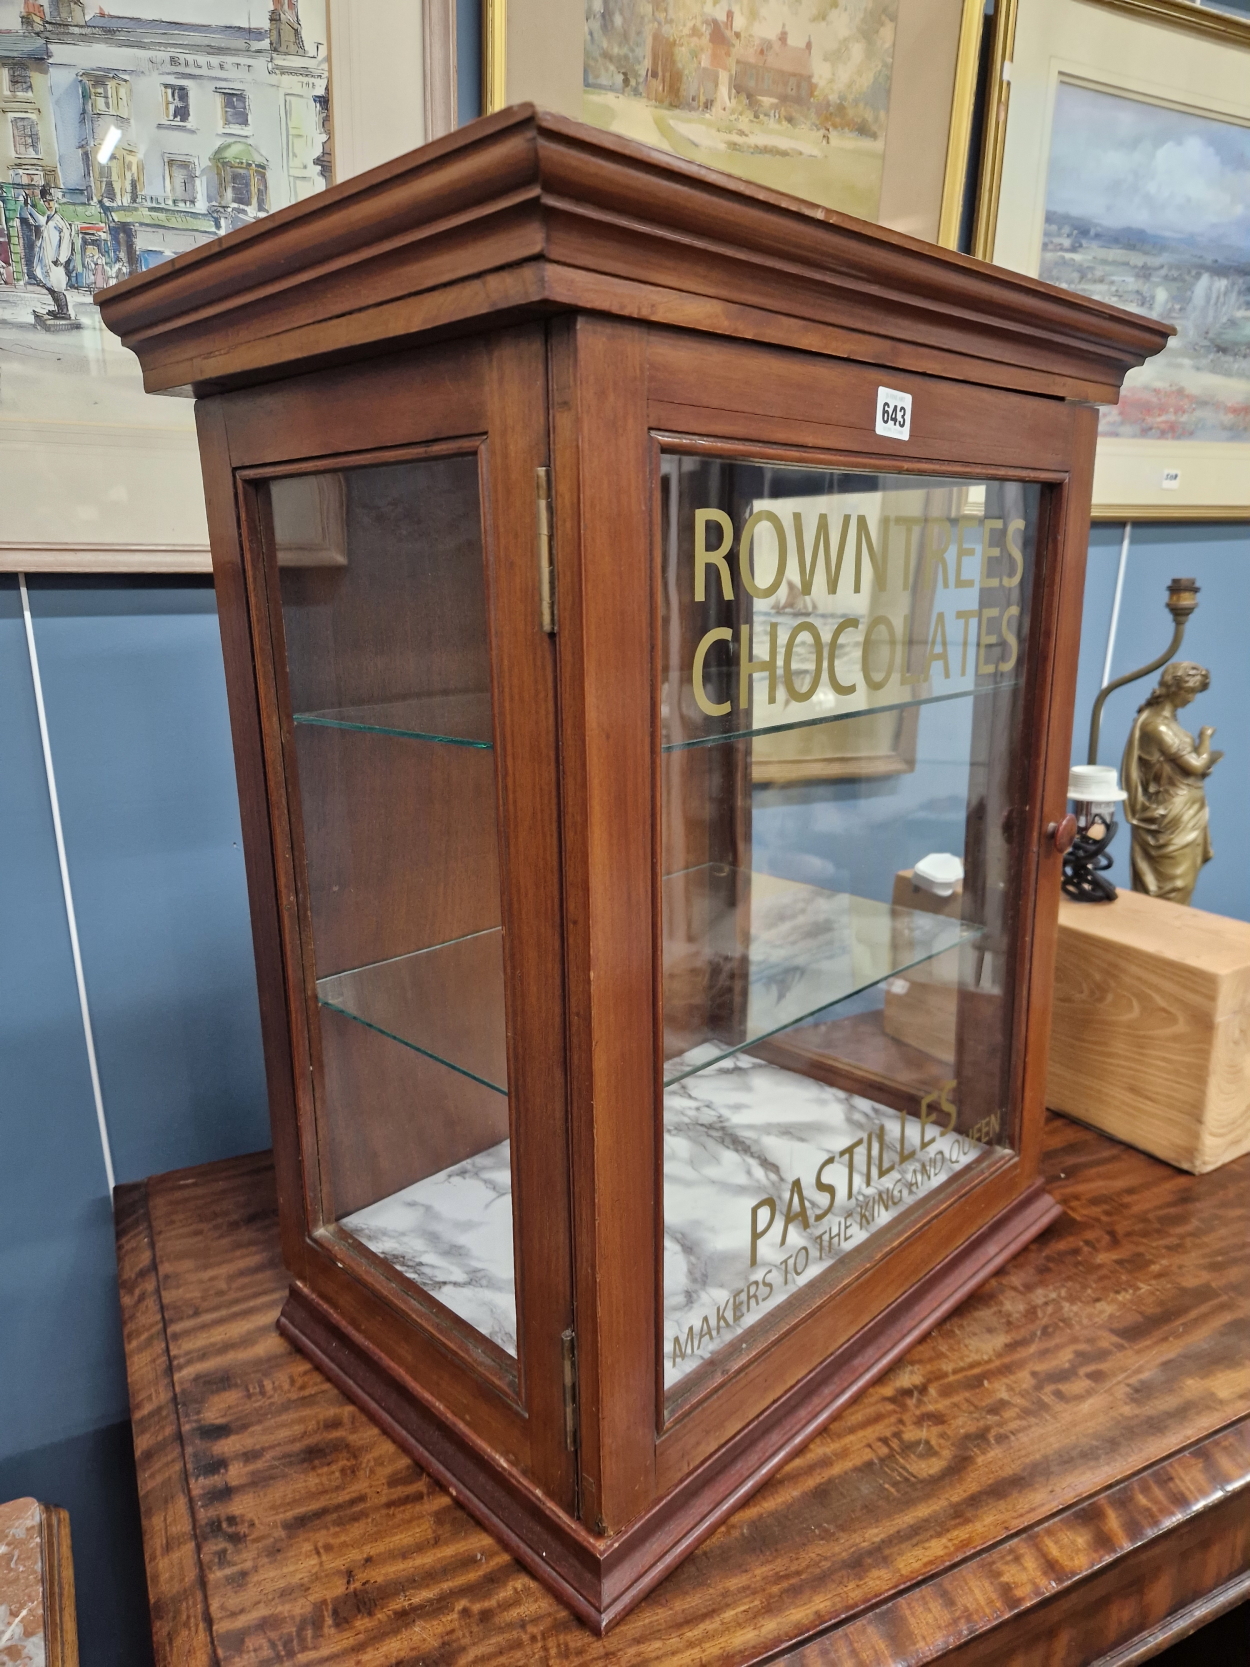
point(802, 950)
point(789, 949)
point(456, 720)
point(445, 1002)
point(835, 717)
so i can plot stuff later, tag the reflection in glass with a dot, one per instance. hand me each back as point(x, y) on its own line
point(842, 668)
point(770, 952)
point(384, 613)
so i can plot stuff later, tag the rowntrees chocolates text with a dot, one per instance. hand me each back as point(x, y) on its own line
point(937, 550)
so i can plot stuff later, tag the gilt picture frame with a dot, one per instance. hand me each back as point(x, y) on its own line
point(1216, 22)
point(1126, 175)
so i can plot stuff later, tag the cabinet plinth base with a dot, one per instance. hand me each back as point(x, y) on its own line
point(601, 1579)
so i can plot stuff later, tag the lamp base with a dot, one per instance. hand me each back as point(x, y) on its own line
point(1084, 864)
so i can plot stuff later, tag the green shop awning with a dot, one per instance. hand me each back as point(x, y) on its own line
point(172, 219)
point(83, 214)
point(239, 154)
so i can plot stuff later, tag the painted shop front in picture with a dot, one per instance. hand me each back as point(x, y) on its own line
point(127, 140)
point(171, 132)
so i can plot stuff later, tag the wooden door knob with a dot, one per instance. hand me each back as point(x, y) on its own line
point(1063, 833)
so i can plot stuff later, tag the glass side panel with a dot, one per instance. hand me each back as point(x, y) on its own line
point(842, 670)
point(384, 611)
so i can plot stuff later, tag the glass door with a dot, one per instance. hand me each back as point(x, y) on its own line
point(841, 696)
point(384, 614)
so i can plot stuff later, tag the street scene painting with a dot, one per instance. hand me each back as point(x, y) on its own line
point(792, 94)
point(1149, 208)
point(124, 141)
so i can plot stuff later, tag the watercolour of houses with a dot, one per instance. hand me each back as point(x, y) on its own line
point(201, 126)
point(772, 77)
point(716, 65)
point(27, 134)
point(28, 155)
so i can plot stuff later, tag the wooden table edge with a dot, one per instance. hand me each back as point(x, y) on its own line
point(1173, 1499)
point(1181, 1623)
point(182, 1634)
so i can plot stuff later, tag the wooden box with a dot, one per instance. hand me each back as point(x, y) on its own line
point(546, 476)
point(921, 1004)
point(1151, 1034)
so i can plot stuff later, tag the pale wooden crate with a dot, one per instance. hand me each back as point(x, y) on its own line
point(1151, 1035)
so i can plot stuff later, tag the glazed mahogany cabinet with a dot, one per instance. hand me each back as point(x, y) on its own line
point(650, 609)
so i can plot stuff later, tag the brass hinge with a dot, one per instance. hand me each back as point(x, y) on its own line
point(546, 572)
point(568, 1361)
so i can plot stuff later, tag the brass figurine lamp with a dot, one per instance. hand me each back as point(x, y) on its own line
point(1182, 600)
point(1166, 773)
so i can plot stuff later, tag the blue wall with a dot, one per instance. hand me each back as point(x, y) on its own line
point(135, 701)
point(468, 59)
point(1218, 556)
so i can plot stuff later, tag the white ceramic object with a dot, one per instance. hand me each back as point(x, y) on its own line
point(939, 872)
point(1095, 784)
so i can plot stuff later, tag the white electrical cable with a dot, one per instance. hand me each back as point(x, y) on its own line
point(65, 887)
point(1115, 606)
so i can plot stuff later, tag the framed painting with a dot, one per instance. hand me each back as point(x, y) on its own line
point(125, 140)
point(1126, 176)
point(864, 107)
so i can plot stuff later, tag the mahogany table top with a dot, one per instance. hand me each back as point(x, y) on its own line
point(1059, 1473)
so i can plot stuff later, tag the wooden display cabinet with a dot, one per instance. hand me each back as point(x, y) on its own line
point(626, 575)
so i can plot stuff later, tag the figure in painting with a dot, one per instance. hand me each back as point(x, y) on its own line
point(29, 223)
point(1164, 774)
point(53, 250)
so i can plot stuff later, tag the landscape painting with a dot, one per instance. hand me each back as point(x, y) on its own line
point(1148, 207)
point(791, 94)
